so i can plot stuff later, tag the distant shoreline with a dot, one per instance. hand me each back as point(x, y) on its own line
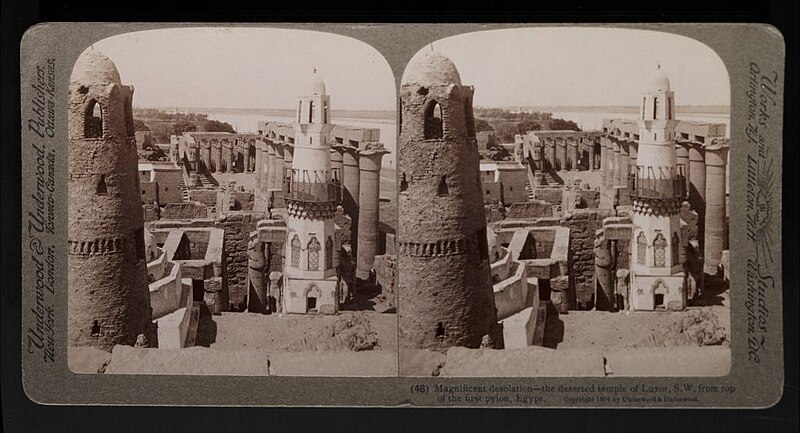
point(680, 109)
point(282, 112)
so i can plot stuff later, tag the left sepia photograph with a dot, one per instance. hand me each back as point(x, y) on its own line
point(232, 205)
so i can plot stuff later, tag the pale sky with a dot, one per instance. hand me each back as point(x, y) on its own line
point(583, 66)
point(248, 68)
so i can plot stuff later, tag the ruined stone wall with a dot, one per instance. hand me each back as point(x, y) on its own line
point(550, 195)
point(583, 223)
point(531, 209)
point(494, 212)
point(237, 226)
point(386, 273)
point(187, 210)
point(492, 192)
point(206, 196)
point(149, 192)
point(590, 199)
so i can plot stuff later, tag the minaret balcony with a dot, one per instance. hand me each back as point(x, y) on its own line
point(312, 192)
point(657, 188)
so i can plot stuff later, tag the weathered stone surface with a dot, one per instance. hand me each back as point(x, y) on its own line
point(87, 359)
point(193, 360)
point(421, 362)
point(680, 361)
point(532, 361)
point(334, 364)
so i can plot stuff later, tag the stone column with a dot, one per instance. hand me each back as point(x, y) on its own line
point(716, 158)
point(604, 290)
point(229, 164)
point(351, 181)
point(208, 158)
point(561, 153)
point(288, 158)
point(622, 171)
point(615, 162)
point(257, 296)
point(550, 152)
point(682, 153)
point(278, 167)
point(369, 209)
point(605, 145)
point(592, 166)
point(697, 186)
point(573, 155)
point(259, 163)
point(633, 157)
point(218, 162)
point(270, 168)
point(336, 170)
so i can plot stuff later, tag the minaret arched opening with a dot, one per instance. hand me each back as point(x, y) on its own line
point(641, 249)
point(311, 112)
point(659, 251)
point(313, 254)
point(93, 120)
point(434, 128)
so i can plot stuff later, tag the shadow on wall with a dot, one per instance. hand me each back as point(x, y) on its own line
point(553, 328)
point(206, 327)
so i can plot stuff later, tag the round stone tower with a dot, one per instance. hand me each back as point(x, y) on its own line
point(445, 289)
point(657, 191)
point(109, 300)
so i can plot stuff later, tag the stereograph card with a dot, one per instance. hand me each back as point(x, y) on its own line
point(450, 215)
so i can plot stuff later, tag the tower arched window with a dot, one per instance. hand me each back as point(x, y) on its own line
point(101, 188)
point(644, 104)
point(433, 121)
point(313, 254)
point(329, 253)
point(659, 251)
point(655, 108)
point(93, 120)
point(311, 112)
point(641, 249)
point(442, 189)
point(325, 112)
point(296, 251)
point(676, 249)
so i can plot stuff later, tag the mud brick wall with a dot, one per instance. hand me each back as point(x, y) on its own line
point(206, 196)
point(151, 212)
point(494, 212)
point(533, 209)
point(386, 273)
point(582, 224)
point(590, 198)
point(184, 211)
point(237, 226)
point(550, 195)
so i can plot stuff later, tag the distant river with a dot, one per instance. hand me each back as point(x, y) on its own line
point(248, 123)
point(593, 120)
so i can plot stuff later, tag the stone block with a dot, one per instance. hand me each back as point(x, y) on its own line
point(518, 329)
point(532, 361)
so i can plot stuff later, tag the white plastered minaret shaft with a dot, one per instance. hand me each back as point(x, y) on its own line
point(657, 272)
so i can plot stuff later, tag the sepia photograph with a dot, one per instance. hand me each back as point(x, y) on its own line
point(232, 205)
point(563, 205)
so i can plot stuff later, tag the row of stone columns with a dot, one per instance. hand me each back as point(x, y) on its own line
point(565, 154)
point(359, 174)
point(222, 159)
point(704, 169)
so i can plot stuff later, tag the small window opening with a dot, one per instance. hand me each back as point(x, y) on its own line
point(102, 188)
point(443, 190)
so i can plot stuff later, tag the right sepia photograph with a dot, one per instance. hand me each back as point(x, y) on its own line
point(563, 206)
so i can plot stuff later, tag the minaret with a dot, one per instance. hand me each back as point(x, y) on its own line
point(109, 300)
point(657, 192)
point(445, 289)
point(310, 284)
